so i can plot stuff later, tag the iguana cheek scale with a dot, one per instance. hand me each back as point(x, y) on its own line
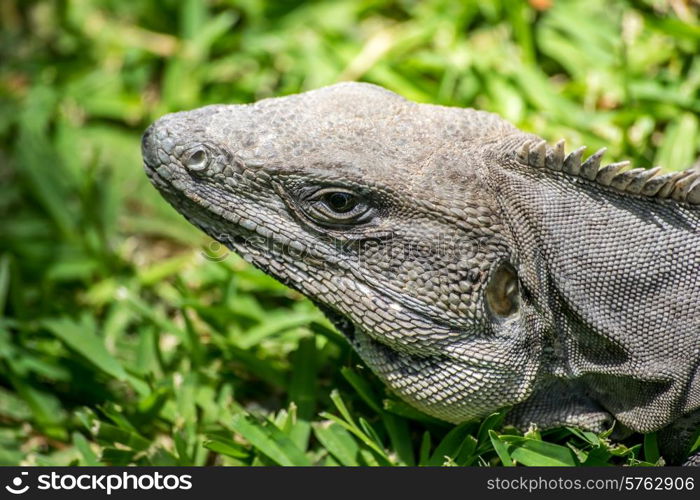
point(472, 266)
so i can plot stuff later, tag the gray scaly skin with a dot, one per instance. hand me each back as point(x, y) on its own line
point(470, 265)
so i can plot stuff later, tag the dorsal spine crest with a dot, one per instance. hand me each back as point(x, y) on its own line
point(683, 187)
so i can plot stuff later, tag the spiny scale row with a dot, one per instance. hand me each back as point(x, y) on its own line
point(680, 186)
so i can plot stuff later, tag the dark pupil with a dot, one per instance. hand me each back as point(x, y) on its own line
point(341, 202)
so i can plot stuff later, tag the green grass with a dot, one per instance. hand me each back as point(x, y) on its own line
point(121, 343)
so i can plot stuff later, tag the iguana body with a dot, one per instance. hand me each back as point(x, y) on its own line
point(471, 266)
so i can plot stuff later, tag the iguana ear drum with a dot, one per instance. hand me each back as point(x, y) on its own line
point(503, 293)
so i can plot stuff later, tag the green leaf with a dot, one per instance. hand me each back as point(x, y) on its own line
point(89, 457)
point(13, 407)
point(424, 452)
point(401, 409)
point(467, 454)
point(400, 437)
point(302, 387)
point(45, 407)
point(269, 441)
point(338, 442)
point(537, 453)
point(651, 448)
point(111, 434)
point(340, 405)
point(363, 388)
point(117, 456)
point(678, 149)
point(82, 338)
point(225, 446)
point(596, 457)
point(450, 445)
point(587, 436)
point(276, 324)
point(368, 441)
point(371, 432)
point(491, 422)
point(501, 448)
point(694, 443)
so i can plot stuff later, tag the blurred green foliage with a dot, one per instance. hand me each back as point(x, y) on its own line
point(120, 343)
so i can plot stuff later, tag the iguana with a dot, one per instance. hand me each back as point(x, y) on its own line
point(472, 266)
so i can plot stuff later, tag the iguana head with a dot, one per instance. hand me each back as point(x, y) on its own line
point(374, 207)
point(472, 266)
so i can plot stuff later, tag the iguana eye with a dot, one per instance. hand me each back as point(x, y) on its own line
point(337, 206)
point(340, 202)
point(197, 159)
